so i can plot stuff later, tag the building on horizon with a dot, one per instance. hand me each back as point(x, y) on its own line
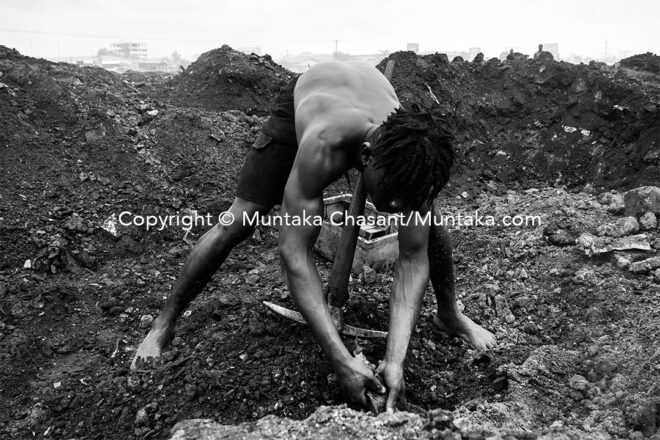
point(413, 47)
point(129, 49)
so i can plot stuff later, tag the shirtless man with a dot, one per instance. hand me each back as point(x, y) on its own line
point(334, 117)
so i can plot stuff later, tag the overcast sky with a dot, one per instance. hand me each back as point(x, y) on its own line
point(52, 28)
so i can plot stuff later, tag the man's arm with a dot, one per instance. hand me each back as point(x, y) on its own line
point(309, 176)
point(410, 279)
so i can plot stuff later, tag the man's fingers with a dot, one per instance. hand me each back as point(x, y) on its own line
point(376, 386)
point(391, 400)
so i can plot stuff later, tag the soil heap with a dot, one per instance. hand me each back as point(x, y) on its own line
point(578, 331)
point(226, 79)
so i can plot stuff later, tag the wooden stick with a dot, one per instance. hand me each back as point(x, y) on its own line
point(337, 289)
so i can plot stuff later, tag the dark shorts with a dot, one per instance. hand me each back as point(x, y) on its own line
point(269, 162)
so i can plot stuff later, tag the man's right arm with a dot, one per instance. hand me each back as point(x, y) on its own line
point(304, 188)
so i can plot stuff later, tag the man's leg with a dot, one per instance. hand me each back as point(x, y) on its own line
point(206, 257)
point(448, 317)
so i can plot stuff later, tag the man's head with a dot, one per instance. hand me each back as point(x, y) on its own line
point(407, 160)
point(540, 47)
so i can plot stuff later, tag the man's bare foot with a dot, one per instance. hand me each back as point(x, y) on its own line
point(459, 325)
point(152, 346)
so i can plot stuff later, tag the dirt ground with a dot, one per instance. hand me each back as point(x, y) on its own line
point(578, 351)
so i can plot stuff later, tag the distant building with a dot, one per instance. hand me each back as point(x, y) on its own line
point(414, 47)
point(153, 66)
point(129, 49)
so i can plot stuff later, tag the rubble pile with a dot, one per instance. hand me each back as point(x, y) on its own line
point(527, 122)
point(226, 79)
point(645, 62)
point(573, 300)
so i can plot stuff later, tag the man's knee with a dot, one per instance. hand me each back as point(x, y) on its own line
point(240, 220)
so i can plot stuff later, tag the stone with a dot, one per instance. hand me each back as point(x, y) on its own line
point(645, 266)
point(369, 275)
point(560, 237)
point(256, 327)
point(622, 262)
point(648, 221)
point(578, 383)
point(642, 199)
point(141, 417)
point(503, 310)
point(252, 279)
point(146, 320)
point(228, 300)
point(614, 202)
point(620, 228)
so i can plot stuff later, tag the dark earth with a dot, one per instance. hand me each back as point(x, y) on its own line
point(578, 353)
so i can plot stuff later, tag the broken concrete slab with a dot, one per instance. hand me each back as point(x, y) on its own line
point(593, 245)
point(645, 266)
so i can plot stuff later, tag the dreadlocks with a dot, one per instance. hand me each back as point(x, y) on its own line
point(415, 151)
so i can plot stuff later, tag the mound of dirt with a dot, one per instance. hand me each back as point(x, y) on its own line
point(226, 79)
point(530, 122)
point(79, 146)
point(648, 62)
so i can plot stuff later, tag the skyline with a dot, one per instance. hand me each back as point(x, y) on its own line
point(67, 28)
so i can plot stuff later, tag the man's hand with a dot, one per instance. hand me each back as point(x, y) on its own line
point(356, 378)
point(392, 373)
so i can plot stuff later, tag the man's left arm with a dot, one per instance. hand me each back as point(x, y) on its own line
point(411, 277)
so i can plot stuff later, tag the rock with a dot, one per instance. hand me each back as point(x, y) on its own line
point(439, 419)
point(622, 262)
point(560, 237)
point(252, 279)
point(38, 414)
point(503, 310)
point(645, 266)
point(141, 418)
point(578, 383)
point(146, 320)
point(500, 384)
point(115, 310)
point(522, 273)
point(256, 327)
point(620, 228)
point(228, 300)
point(369, 275)
point(614, 202)
point(642, 199)
point(656, 274)
point(648, 221)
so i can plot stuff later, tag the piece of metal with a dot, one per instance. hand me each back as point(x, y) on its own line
point(347, 329)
